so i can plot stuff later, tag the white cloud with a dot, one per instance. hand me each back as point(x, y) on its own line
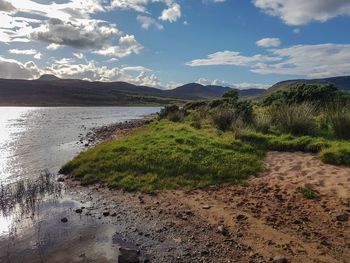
point(23, 51)
point(78, 55)
point(230, 58)
point(300, 12)
point(316, 61)
point(269, 42)
point(127, 46)
point(171, 14)
point(13, 69)
point(146, 22)
point(6, 6)
point(30, 52)
point(240, 86)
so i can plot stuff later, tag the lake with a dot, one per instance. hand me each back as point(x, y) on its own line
point(37, 139)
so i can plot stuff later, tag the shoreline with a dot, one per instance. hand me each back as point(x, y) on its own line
point(260, 221)
point(118, 130)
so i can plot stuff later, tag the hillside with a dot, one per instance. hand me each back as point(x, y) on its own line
point(52, 91)
point(342, 83)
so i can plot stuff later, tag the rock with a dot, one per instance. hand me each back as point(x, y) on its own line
point(342, 217)
point(222, 230)
point(206, 206)
point(78, 211)
point(60, 179)
point(240, 217)
point(106, 213)
point(279, 259)
point(127, 255)
point(64, 220)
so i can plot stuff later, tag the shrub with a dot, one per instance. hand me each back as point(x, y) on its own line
point(223, 119)
point(173, 113)
point(316, 93)
point(232, 95)
point(176, 116)
point(339, 118)
point(295, 119)
point(194, 105)
point(164, 112)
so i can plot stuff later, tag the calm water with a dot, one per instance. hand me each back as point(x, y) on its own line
point(35, 139)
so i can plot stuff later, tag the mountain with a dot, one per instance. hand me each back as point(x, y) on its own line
point(195, 91)
point(48, 77)
point(50, 90)
point(247, 93)
point(342, 83)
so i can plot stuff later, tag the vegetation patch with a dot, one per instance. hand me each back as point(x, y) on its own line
point(167, 155)
point(307, 192)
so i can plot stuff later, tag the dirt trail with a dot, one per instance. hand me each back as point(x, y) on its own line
point(264, 220)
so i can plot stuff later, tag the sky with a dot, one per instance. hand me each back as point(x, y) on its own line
point(166, 43)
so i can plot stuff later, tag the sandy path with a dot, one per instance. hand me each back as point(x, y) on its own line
point(264, 220)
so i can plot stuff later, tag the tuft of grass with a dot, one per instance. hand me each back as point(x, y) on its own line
point(330, 151)
point(167, 155)
point(337, 154)
point(296, 119)
point(339, 119)
point(307, 192)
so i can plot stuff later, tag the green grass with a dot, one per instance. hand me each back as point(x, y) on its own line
point(167, 155)
point(329, 151)
point(308, 193)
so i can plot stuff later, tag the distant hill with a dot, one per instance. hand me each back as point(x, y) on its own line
point(342, 83)
point(195, 91)
point(48, 77)
point(49, 90)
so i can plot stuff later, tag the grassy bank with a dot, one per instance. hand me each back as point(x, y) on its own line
point(167, 155)
point(221, 141)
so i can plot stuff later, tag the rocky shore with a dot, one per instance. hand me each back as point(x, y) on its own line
point(113, 131)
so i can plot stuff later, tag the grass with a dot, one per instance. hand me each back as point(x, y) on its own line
point(167, 155)
point(329, 151)
point(308, 193)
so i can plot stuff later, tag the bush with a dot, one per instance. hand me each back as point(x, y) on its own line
point(339, 118)
point(173, 113)
point(316, 93)
point(176, 116)
point(232, 95)
point(223, 119)
point(194, 105)
point(295, 119)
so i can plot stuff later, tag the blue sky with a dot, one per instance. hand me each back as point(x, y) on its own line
point(165, 43)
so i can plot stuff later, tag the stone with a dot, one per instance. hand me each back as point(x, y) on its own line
point(78, 211)
point(60, 179)
point(342, 217)
point(240, 217)
point(279, 259)
point(206, 206)
point(127, 255)
point(64, 220)
point(106, 213)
